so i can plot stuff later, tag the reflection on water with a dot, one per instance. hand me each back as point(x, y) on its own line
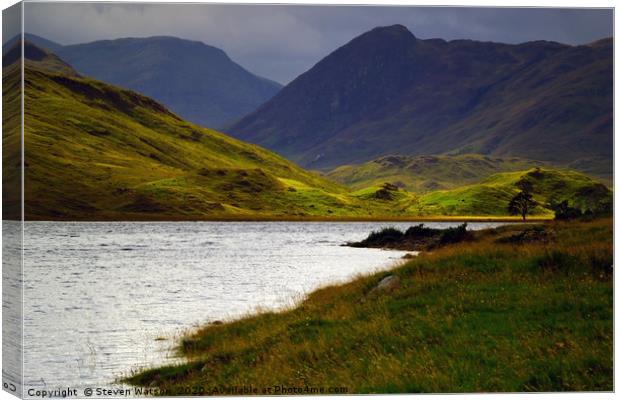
point(100, 297)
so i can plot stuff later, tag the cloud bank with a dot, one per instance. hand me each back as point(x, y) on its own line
point(282, 41)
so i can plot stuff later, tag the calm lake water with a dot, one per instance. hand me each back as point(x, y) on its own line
point(100, 296)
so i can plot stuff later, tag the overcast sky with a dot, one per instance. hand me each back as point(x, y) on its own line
point(281, 42)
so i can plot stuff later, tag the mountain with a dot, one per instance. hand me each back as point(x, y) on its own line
point(198, 82)
point(36, 58)
point(388, 92)
point(421, 174)
point(94, 151)
point(34, 39)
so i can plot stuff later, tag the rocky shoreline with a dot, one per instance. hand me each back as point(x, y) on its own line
point(416, 238)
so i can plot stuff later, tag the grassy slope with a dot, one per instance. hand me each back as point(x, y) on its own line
point(470, 317)
point(11, 144)
point(94, 151)
point(492, 195)
point(421, 174)
point(550, 186)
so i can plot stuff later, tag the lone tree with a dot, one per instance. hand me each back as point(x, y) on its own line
point(521, 204)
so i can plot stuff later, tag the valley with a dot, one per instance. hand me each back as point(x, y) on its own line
point(99, 152)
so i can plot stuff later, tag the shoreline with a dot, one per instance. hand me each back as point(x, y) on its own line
point(443, 300)
point(457, 298)
point(305, 219)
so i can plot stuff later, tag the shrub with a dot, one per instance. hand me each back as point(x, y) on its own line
point(454, 235)
point(380, 238)
point(564, 212)
point(420, 231)
point(385, 233)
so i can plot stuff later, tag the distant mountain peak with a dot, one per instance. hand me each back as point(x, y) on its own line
point(386, 91)
point(32, 52)
point(36, 40)
point(396, 29)
point(392, 34)
point(153, 39)
point(166, 44)
point(602, 42)
point(36, 57)
point(197, 81)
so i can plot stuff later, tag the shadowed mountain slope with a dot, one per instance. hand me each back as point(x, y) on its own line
point(36, 58)
point(388, 92)
point(34, 39)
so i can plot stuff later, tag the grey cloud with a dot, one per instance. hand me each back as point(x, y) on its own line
point(280, 42)
point(12, 21)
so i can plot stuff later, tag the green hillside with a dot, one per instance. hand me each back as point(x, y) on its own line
point(98, 152)
point(94, 151)
point(490, 197)
point(11, 144)
point(421, 174)
point(549, 186)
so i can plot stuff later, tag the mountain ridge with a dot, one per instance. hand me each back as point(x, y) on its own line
point(442, 97)
point(36, 58)
point(39, 41)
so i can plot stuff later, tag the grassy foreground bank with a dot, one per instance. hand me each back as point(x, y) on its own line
point(504, 312)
